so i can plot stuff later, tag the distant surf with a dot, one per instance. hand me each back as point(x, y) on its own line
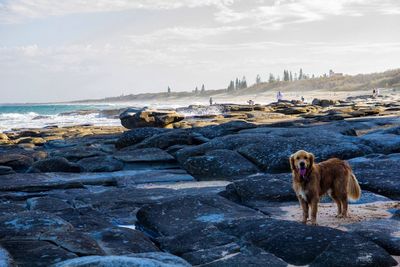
point(37, 116)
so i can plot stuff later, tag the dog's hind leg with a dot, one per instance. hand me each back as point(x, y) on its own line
point(339, 205)
point(344, 206)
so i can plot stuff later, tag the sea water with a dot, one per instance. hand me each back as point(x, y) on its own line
point(42, 115)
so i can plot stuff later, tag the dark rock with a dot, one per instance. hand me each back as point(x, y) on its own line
point(131, 154)
point(28, 253)
point(137, 135)
point(299, 244)
point(47, 204)
point(122, 241)
point(181, 214)
point(324, 102)
point(35, 226)
point(210, 255)
point(151, 259)
point(6, 170)
point(220, 164)
point(378, 174)
point(5, 258)
point(247, 257)
point(101, 164)
point(77, 153)
point(383, 141)
point(264, 187)
point(385, 233)
point(54, 164)
point(170, 138)
point(270, 151)
point(149, 118)
point(18, 162)
point(196, 239)
point(223, 129)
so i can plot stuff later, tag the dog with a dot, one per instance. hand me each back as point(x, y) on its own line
point(312, 180)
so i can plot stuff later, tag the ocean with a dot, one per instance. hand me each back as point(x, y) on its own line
point(41, 115)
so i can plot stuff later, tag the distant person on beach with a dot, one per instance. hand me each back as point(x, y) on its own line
point(377, 92)
point(250, 102)
point(279, 96)
point(374, 93)
point(302, 99)
point(211, 101)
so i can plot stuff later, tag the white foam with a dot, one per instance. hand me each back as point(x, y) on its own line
point(10, 121)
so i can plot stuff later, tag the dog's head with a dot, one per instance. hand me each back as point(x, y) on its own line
point(301, 162)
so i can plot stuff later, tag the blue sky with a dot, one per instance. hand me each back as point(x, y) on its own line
point(54, 50)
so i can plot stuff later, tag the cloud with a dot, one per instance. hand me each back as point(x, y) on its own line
point(15, 11)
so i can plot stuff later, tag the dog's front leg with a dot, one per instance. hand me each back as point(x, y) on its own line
point(314, 210)
point(304, 206)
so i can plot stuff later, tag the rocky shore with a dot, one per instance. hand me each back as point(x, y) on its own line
point(202, 186)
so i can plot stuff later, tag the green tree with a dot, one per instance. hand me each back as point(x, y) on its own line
point(301, 77)
point(203, 89)
point(271, 78)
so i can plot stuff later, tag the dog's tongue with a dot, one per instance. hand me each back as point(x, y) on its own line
point(303, 172)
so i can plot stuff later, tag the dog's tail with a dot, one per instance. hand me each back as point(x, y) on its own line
point(353, 188)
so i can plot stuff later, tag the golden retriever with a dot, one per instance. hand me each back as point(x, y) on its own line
point(312, 180)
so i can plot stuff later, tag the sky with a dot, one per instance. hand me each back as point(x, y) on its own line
point(53, 50)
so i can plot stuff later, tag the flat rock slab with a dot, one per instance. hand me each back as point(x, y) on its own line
point(34, 182)
point(143, 155)
point(190, 211)
point(154, 259)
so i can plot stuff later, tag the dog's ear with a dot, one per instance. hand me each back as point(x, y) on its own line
point(312, 159)
point(291, 159)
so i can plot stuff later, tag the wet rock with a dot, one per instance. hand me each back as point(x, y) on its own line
point(18, 162)
point(122, 241)
point(183, 213)
point(213, 254)
point(101, 164)
point(131, 154)
point(385, 233)
point(383, 141)
point(220, 164)
point(47, 204)
point(154, 259)
point(265, 187)
point(54, 164)
point(31, 140)
point(137, 135)
point(6, 170)
point(149, 118)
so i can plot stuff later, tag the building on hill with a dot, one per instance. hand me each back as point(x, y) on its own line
point(335, 74)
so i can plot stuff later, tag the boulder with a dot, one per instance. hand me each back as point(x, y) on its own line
point(137, 135)
point(152, 259)
point(101, 164)
point(265, 187)
point(54, 164)
point(149, 118)
point(223, 129)
point(18, 162)
point(324, 102)
point(3, 137)
point(220, 164)
point(270, 151)
point(171, 138)
point(378, 174)
point(5, 258)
